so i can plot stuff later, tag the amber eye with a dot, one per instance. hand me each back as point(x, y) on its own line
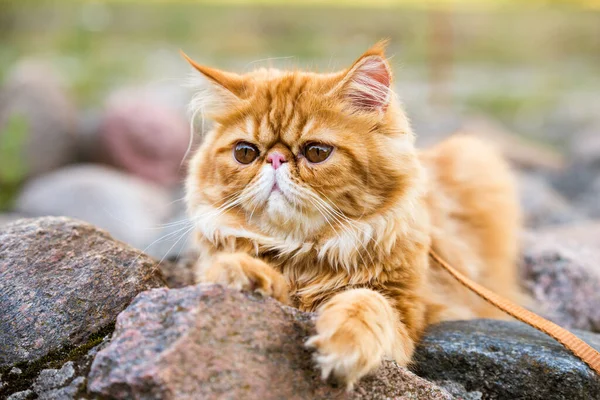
point(245, 152)
point(317, 152)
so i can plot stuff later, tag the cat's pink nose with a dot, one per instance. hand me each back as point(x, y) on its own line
point(276, 159)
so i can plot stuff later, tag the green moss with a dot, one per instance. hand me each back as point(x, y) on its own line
point(54, 360)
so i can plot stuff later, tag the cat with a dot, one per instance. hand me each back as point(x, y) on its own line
point(309, 189)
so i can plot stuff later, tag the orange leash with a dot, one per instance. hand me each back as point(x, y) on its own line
point(581, 349)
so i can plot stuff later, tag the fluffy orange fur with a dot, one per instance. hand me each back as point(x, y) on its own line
point(348, 237)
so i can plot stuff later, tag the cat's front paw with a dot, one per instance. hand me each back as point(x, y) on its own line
point(356, 329)
point(240, 271)
point(351, 340)
point(345, 349)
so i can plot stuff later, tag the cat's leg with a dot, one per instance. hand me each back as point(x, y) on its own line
point(241, 271)
point(356, 329)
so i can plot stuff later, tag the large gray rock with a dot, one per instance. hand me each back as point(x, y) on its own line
point(560, 271)
point(129, 208)
point(62, 284)
point(207, 342)
point(505, 360)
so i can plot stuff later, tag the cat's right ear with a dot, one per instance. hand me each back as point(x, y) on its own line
point(226, 88)
point(366, 85)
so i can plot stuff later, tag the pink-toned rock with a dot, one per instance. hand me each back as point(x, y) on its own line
point(144, 136)
point(562, 275)
point(205, 342)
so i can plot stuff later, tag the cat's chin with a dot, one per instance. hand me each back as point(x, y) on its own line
point(283, 218)
point(279, 208)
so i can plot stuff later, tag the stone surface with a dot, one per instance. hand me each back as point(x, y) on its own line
point(563, 277)
point(542, 205)
point(53, 378)
point(65, 393)
point(459, 392)
point(129, 208)
point(505, 360)
point(179, 272)
point(144, 136)
point(207, 342)
point(62, 281)
point(22, 395)
point(65, 382)
point(34, 94)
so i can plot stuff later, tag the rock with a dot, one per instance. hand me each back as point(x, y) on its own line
point(179, 272)
point(53, 378)
point(208, 342)
point(459, 392)
point(563, 278)
point(25, 394)
point(542, 205)
point(67, 381)
point(64, 393)
point(41, 118)
point(144, 136)
point(62, 283)
point(129, 208)
point(505, 360)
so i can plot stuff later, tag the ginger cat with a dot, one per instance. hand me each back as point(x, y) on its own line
point(309, 189)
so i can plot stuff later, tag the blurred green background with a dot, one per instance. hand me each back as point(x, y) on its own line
point(524, 53)
point(105, 84)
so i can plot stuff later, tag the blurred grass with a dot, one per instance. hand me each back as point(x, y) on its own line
point(100, 46)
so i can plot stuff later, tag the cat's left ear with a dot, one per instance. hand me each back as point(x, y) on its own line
point(226, 89)
point(234, 83)
point(366, 86)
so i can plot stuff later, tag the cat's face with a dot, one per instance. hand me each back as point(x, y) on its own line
point(296, 152)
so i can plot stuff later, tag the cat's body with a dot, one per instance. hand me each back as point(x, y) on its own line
point(309, 189)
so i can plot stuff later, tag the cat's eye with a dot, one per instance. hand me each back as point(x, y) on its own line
point(317, 152)
point(245, 152)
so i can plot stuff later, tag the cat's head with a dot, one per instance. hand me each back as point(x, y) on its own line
point(294, 153)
